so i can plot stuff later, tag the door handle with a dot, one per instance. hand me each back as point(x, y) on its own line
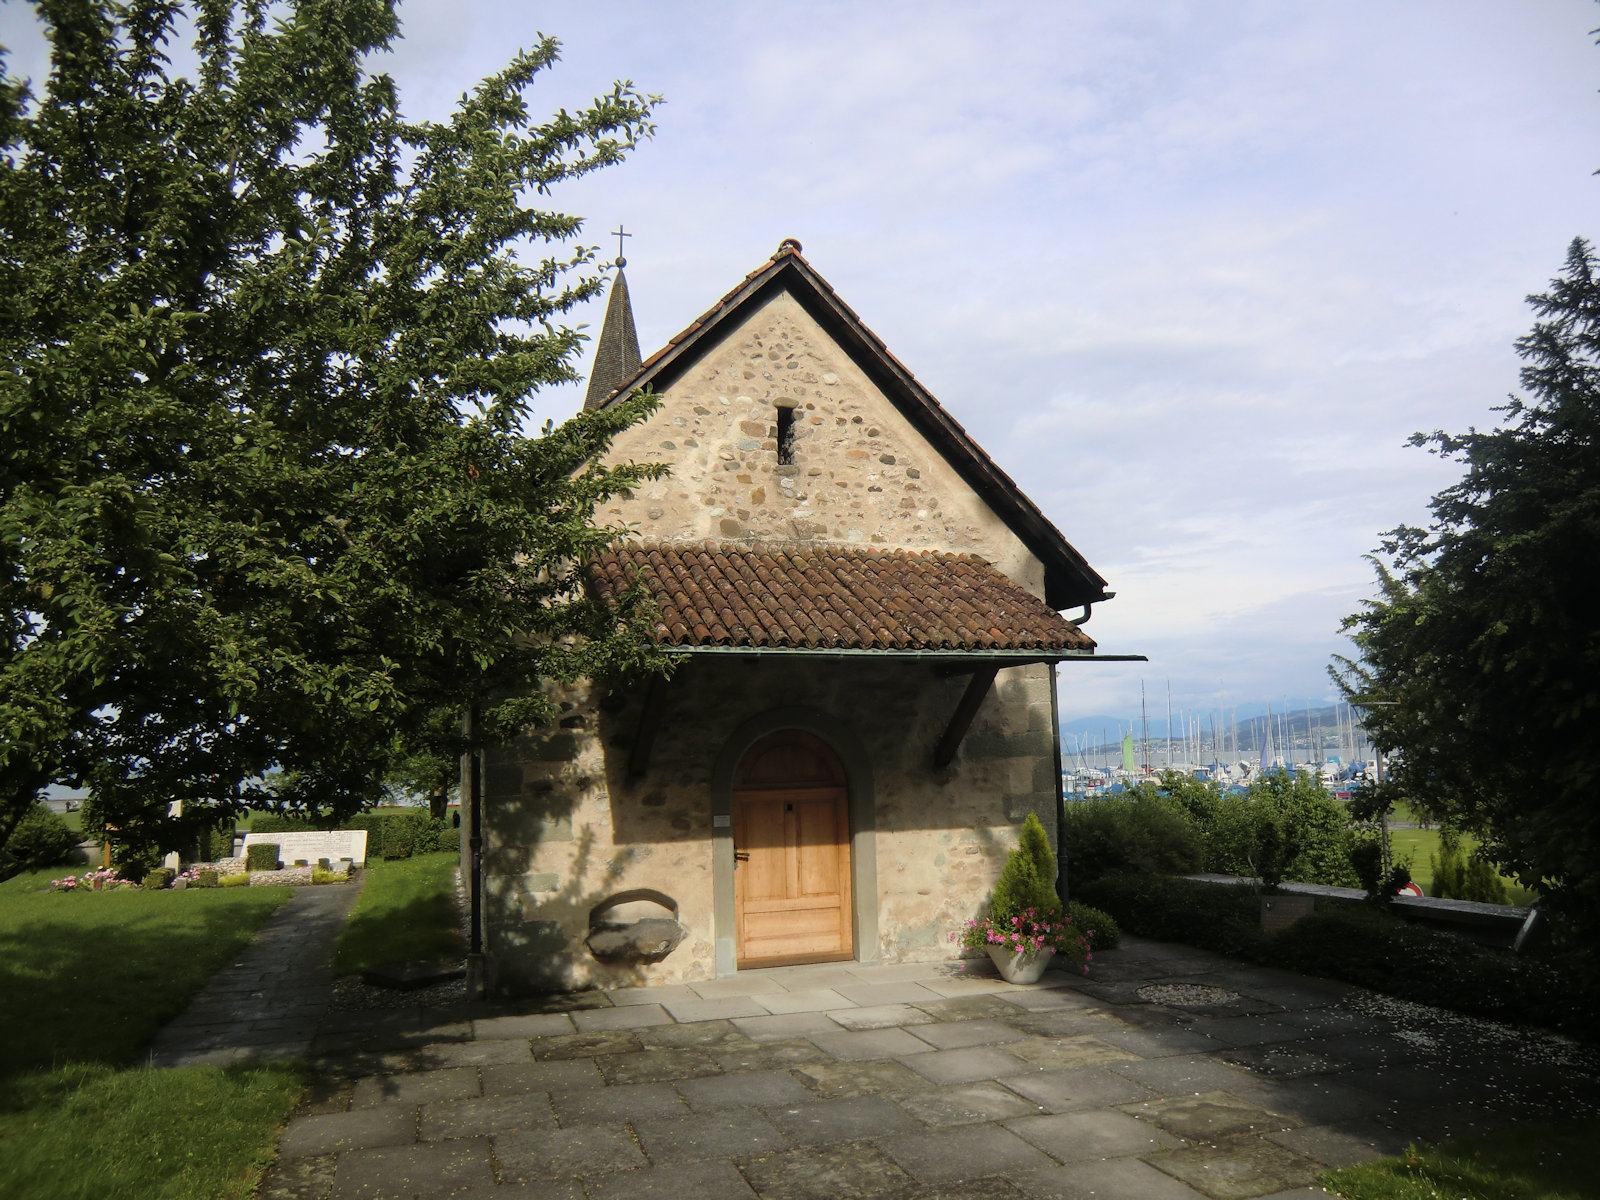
point(740, 856)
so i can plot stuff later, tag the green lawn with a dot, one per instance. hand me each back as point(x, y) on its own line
point(407, 911)
point(1535, 1162)
point(100, 1133)
point(92, 975)
point(86, 979)
point(1419, 844)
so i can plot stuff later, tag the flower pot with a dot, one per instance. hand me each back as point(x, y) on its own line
point(1020, 968)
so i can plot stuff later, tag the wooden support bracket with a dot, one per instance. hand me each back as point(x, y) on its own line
point(961, 720)
point(655, 711)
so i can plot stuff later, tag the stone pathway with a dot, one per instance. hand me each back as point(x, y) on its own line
point(269, 1003)
point(1169, 1074)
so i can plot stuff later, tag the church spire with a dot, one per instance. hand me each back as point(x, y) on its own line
point(616, 358)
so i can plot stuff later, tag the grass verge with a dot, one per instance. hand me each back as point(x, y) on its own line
point(407, 911)
point(86, 979)
point(92, 975)
point(1420, 846)
point(199, 1133)
point(1547, 1162)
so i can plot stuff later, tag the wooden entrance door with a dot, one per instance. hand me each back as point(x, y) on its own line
point(791, 838)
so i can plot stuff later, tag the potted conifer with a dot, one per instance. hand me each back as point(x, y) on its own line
point(1026, 928)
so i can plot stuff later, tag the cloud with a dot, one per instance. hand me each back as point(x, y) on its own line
point(1191, 273)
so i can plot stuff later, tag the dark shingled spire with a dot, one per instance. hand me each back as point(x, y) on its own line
point(616, 358)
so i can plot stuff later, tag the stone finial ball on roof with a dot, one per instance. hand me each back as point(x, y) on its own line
point(788, 246)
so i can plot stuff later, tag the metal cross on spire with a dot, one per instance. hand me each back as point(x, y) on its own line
point(619, 233)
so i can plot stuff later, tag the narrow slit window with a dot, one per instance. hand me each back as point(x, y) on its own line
point(785, 437)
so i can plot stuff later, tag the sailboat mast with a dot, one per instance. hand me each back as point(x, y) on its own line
point(1144, 728)
point(1169, 724)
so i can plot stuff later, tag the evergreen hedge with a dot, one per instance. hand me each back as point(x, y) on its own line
point(40, 839)
point(391, 832)
point(1355, 942)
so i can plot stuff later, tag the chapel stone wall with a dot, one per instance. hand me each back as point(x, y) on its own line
point(566, 828)
point(862, 475)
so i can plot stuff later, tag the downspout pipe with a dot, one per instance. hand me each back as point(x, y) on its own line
point(1088, 610)
point(1061, 791)
point(476, 980)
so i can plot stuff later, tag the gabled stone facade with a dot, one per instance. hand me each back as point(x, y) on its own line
point(633, 796)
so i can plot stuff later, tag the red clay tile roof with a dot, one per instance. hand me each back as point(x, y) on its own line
point(833, 598)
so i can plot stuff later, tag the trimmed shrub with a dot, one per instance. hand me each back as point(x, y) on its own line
point(391, 832)
point(261, 856)
point(1028, 878)
point(1221, 917)
point(1284, 827)
point(1144, 832)
point(40, 839)
point(1099, 926)
point(1458, 876)
point(159, 878)
point(1358, 943)
point(204, 878)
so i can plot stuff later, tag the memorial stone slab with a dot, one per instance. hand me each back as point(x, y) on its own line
point(332, 844)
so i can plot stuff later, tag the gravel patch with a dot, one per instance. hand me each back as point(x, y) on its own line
point(1186, 995)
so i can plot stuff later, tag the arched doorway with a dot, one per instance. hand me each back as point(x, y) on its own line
point(791, 840)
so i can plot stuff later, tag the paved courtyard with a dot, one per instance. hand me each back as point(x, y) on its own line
point(1167, 1074)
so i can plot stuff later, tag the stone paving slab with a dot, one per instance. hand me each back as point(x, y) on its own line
point(1237, 1169)
point(858, 1046)
point(401, 1172)
point(444, 1119)
point(962, 1066)
point(1112, 1179)
point(911, 1083)
point(745, 1089)
point(611, 1105)
point(531, 1157)
point(678, 1181)
point(966, 1104)
point(956, 1035)
point(731, 1133)
point(1083, 1087)
point(852, 1171)
point(814, 1000)
point(963, 1152)
point(822, 1122)
point(1092, 1134)
point(632, 1016)
point(253, 1010)
point(360, 1129)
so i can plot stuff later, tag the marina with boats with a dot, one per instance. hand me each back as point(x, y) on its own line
point(1218, 745)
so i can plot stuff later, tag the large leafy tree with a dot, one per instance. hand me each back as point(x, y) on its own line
point(1479, 662)
point(266, 352)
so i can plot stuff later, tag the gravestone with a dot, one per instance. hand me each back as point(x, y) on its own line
point(332, 844)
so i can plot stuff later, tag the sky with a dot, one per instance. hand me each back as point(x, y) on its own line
point(1191, 273)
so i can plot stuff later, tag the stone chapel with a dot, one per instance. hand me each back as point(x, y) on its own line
point(866, 617)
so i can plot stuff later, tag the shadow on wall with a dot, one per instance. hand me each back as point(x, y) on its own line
point(539, 936)
point(896, 710)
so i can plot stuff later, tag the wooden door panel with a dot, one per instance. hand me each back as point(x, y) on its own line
point(758, 831)
point(792, 882)
point(816, 853)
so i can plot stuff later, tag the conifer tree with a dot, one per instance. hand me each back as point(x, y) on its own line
point(1027, 880)
point(1479, 662)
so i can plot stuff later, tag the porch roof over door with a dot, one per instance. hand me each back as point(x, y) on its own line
point(837, 600)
